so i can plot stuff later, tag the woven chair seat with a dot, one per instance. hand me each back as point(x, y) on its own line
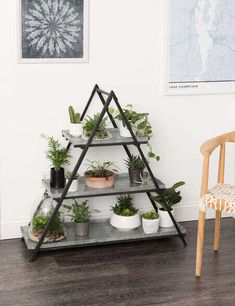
point(221, 197)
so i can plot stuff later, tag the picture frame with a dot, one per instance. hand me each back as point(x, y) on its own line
point(51, 40)
point(190, 86)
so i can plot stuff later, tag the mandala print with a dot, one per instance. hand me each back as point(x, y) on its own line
point(53, 28)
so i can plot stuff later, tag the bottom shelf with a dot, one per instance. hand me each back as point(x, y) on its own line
point(101, 232)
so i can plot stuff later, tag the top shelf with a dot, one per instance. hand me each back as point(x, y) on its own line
point(115, 140)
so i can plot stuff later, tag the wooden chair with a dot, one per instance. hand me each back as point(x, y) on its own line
point(221, 197)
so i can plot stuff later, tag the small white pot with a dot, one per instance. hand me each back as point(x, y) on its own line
point(76, 129)
point(123, 130)
point(125, 224)
point(150, 226)
point(165, 220)
point(74, 186)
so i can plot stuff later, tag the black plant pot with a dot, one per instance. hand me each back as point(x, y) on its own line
point(57, 179)
point(135, 176)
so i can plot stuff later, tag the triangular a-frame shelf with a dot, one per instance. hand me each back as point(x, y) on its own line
point(120, 188)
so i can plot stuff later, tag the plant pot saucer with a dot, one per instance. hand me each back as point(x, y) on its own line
point(96, 138)
point(46, 239)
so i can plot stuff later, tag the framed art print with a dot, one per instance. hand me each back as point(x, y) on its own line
point(53, 31)
point(200, 47)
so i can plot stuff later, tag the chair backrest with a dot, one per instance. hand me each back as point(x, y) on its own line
point(207, 149)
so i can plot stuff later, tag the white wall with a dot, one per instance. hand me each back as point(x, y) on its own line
point(126, 56)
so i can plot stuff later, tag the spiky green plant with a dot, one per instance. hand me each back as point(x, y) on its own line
point(79, 212)
point(90, 123)
point(74, 117)
point(169, 196)
point(151, 215)
point(98, 169)
point(57, 155)
point(124, 206)
point(135, 162)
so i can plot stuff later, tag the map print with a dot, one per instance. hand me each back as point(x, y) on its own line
point(202, 41)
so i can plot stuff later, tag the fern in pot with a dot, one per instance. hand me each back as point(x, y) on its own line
point(125, 216)
point(100, 175)
point(76, 127)
point(150, 222)
point(167, 200)
point(74, 185)
point(58, 156)
point(80, 214)
point(135, 167)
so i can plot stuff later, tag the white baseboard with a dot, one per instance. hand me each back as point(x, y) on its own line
point(184, 212)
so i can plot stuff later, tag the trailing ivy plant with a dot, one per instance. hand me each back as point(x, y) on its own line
point(139, 123)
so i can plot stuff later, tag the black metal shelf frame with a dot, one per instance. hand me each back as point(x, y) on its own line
point(106, 102)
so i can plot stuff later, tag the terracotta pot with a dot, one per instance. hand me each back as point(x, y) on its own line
point(100, 182)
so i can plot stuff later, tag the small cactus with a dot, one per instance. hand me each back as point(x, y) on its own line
point(74, 117)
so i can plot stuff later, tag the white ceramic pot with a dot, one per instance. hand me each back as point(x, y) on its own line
point(125, 224)
point(165, 220)
point(123, 130)
point(150, 226)
point(74, 186)
point(76, 129)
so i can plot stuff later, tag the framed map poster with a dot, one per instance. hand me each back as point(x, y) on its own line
point(200, 46)
point(53, 31)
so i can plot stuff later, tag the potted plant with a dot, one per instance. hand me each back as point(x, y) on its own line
point(58, 156)
point(80, 213)
point(135, 167)
point(76, 127)
point(150, 222)
point(125, 216)
point(41, 218)
point(100, 175)
point(74, 185)
point(90, 123)
point(167, 200)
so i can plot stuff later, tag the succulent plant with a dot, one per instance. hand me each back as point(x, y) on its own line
point(134, 162)
point(125, 206)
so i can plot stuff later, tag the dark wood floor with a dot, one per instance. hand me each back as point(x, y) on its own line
point(143, 273)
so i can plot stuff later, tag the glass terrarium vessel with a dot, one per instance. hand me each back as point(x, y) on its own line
point(41, 218)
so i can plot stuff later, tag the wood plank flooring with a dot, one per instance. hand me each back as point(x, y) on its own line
point(141, 273)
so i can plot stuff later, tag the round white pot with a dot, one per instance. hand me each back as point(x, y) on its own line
point(165, 220)
point(125, 224)
point(150, 226)
point(74, 186)
point(123, 130)
point(76, 129)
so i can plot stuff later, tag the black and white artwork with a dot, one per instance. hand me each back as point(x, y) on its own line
point(53, 30)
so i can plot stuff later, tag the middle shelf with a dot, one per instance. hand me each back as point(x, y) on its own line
point(121, 186)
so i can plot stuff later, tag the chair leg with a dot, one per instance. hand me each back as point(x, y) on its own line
point(200, 242)
point(217, 230)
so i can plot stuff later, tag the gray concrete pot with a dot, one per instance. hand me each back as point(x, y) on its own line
point(82, 229)
point(135, 176)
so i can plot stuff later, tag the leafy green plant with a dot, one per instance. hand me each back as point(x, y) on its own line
point(68, 174)
point(169, 196)
point(151, 215)
point(90, 123)
point(74, 117)
point(79, 212)
point(39, 222)
point(139, 123)
point(98, 169)
point(124, 206)
point(135, 162)
point(57, 155)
